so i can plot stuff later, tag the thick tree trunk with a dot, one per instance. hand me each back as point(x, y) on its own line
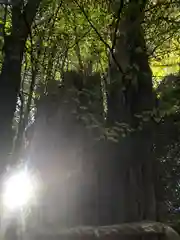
point(130, 93)
point(62, 149)
point(10, 77)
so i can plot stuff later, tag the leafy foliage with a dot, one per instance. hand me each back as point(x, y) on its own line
point(162, 37)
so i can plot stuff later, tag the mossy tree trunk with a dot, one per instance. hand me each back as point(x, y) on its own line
point(132, 194)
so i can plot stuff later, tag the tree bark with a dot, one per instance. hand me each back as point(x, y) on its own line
point(130, 93)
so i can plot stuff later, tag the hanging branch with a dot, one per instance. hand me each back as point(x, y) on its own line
point(117, 23)
point(52, 28)
point(100, 37)
point(77, 48)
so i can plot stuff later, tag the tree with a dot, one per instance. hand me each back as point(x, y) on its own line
point(10, 78)
point(131, 94)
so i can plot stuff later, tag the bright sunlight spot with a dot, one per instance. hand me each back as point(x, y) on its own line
point(18, 190)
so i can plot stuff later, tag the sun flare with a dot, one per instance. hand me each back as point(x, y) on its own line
point(18, 190)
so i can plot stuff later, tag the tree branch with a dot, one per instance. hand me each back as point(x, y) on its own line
point(108, 232)
point(117, 23)
point(100, 37)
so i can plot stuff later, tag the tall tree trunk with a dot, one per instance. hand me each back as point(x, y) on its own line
point(10, 78)
point(61, 135)
point(130, 93)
